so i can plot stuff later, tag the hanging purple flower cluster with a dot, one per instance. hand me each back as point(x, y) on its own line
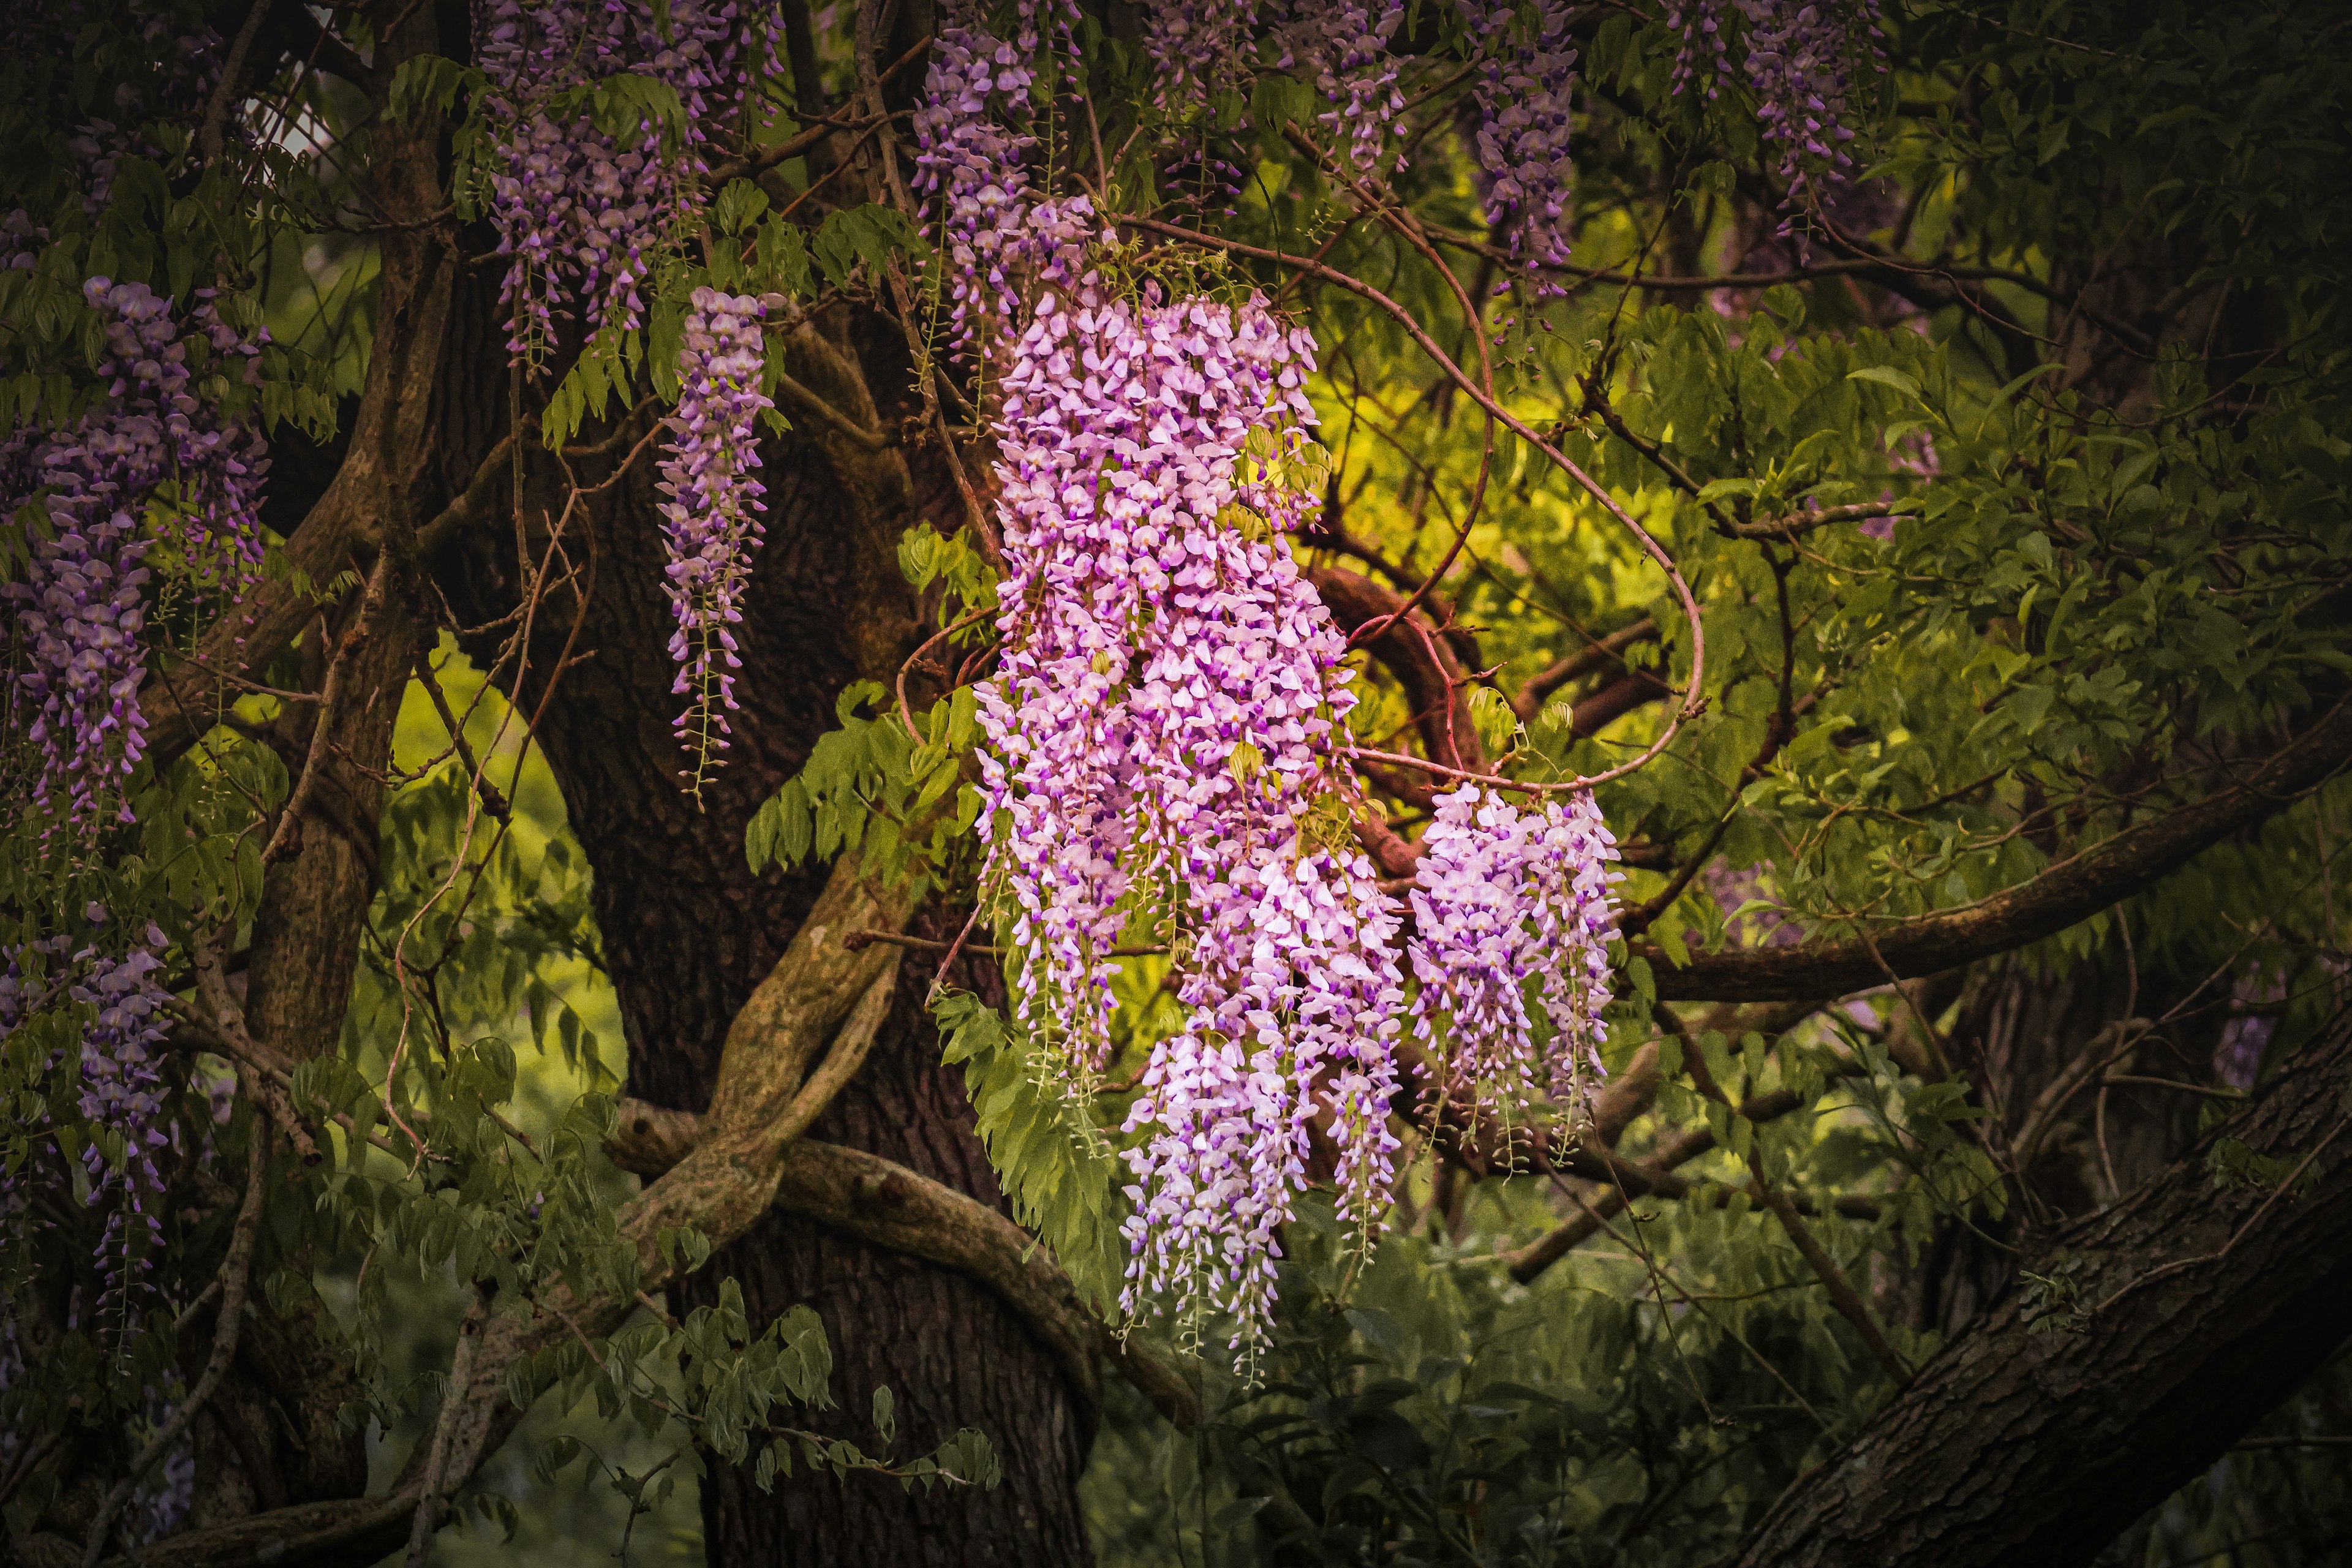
point(1523, 99)
point(710, 521)
point(577, 209)
point(122, 1091)
point(151, 442)
point(1204, 47)
point(970, 139)
point(1703, 54)
point(1164, 728)
point(1167, 727)
point(1201, 47)
point(1801, 61)
point(1346, 44)
point(1501, 894)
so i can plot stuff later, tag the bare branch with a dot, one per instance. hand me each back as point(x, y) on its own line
point(2063, 893)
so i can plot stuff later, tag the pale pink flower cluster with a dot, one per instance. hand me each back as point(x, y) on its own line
point(1501, 894)
point(1164, 730)
point(1166, 758)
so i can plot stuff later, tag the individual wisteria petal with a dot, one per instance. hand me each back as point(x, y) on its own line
point(1525, 74)
point(580, 213)
point(710, 516)
point(150, 445)
point(1501, 894)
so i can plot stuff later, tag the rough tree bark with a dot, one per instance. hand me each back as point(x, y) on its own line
point(689, 931)
point(2195, 1311)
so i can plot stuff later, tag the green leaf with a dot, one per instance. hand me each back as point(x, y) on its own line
point(1886, 376)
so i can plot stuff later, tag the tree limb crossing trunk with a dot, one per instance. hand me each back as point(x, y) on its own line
point(689, 931)
point(2032, 1444)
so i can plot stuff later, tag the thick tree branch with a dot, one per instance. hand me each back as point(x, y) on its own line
point(1610, 651)
point(2064, 893)
point(2043, 1431)
point(886, 1204)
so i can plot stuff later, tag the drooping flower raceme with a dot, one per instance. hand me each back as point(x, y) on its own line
point(1802, 57)
point(1523, 98)
point(1345, 43)
point(1164, 729)
point(1501, 894)
point(579, 210)
point(1199, 47)
point(710, 516)
point(122, 1091)
point(1166, 757)
point(122, 1087)
point(971, 137)
point(150, 443)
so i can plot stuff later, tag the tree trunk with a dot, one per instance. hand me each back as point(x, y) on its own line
point(689, 931)
point(2195, 1309)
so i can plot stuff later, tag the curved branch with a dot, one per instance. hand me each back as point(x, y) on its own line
point(1435, 687)
point(889, 1206)
point(2068, 891)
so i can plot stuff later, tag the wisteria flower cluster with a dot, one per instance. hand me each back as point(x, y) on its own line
point(121, 1086)
point(122, 1091)
point(973, 138)
point(1201, 48)
point(1802, 59)
point(1522, 95)
point(578, 211)
point(1346, 44)
point(970, 140)
point(710, 520)
point(1501, 894)
point(150, 443)
point(1164, 728)
point(1167, 735)
point(1204, 47)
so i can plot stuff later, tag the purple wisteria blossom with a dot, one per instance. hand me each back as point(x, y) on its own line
point(710, 520)
point(123, 1092)
point(974, 140)
point(1345, 45)
point(150, 444)
point(579, 211)
point(1501, 894)
point(971, 138)
point(121, 1087)
point(1801, 61)
point(1164, 729)
point(1201, 48)
point(1522, 94)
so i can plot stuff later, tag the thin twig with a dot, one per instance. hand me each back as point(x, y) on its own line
point(282, 838)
